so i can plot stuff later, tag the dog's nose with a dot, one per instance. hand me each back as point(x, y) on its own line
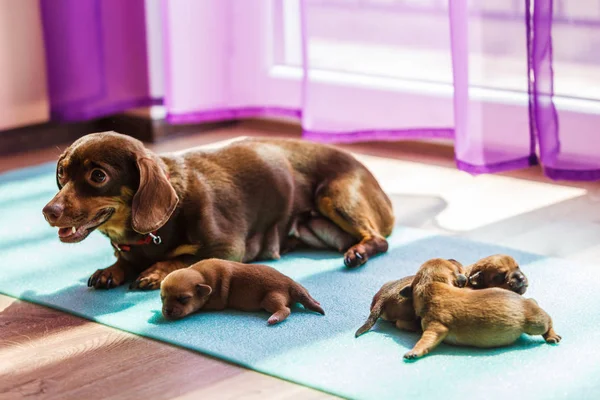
point(519, 279)
point(52, 212)
point(168, 312)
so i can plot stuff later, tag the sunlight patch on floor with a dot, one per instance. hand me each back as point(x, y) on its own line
point(472, 201)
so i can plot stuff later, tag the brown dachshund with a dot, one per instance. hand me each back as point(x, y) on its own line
point(485, 318)
point(251, 200)
point(218, 284)
point(499, 270)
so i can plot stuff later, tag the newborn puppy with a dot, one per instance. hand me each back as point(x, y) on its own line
point(389, 305)
point(482, 318)
point(498, 270)
point(495, 271)
point(216, 284)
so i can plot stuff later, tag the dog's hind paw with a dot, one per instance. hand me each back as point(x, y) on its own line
point(355, 257)
point(553, 339)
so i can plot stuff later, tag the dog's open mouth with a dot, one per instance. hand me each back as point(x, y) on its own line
point(74, 234)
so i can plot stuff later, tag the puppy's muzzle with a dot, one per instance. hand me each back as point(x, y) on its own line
point(518, 282)
point(171, 313)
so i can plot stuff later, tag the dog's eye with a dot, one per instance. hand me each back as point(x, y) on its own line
point(183, 299)
point(60, 172)
point(98, 176)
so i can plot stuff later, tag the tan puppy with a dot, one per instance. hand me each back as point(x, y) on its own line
point(495, 271)
point(218, 284)
point(482, 318)
point(389, 305)
point(499, 270)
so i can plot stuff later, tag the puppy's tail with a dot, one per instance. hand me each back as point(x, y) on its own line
point(376, 310)
point(300, 295)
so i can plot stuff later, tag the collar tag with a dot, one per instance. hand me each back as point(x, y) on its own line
point(155, 239)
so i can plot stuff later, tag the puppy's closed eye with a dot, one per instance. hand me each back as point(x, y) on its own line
point(184, 299)
point(498, 279)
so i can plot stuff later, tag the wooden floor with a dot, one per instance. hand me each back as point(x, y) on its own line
point(49, 354)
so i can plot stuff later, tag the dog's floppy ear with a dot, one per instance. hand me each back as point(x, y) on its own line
point(407, 291)
point(62, 156)
point(203, 290)
point(155, 199)
point(476, 280)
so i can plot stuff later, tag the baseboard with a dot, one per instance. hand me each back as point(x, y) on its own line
point(44, 135)
point(50, 134)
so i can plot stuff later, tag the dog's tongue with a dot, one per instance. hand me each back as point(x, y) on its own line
point(64, 232)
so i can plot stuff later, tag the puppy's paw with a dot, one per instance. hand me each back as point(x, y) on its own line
point(148, 280)
point(411, 356)
point(553, 338)
point(107, 278)
point(272, 320)
point(355, 256)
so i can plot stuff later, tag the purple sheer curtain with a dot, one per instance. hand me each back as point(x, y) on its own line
point(95, 56)
point(566, 70)
point(505, 80)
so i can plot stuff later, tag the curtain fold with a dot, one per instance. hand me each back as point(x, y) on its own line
point(218, 56)
point(489, 55)
point(506, 81)
point(566, 76)
point(96, 57)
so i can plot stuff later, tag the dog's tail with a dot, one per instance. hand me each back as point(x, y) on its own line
point(300, 295)
point(376, 310)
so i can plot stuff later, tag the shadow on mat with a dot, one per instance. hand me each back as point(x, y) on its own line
point(83, 301)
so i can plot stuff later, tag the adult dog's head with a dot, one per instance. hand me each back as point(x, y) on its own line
point(111, 182)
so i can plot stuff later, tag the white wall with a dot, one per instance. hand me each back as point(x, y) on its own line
point(23, 92)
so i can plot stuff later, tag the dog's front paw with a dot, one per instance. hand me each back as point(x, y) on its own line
point(148, 280)
point(107, 278)
point(355, 256)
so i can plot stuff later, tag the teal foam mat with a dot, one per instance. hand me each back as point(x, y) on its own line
point(313, 350)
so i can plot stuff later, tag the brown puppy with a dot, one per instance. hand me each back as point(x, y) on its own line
point(482, 318)
point(500, 271)
point(218, 284)
point(495, 271)
point(250, 200)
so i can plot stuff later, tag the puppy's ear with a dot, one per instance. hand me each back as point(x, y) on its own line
point(155, 199)
point(453, 261)
point(407, 291)
point(476, 280)
point(203, 290)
